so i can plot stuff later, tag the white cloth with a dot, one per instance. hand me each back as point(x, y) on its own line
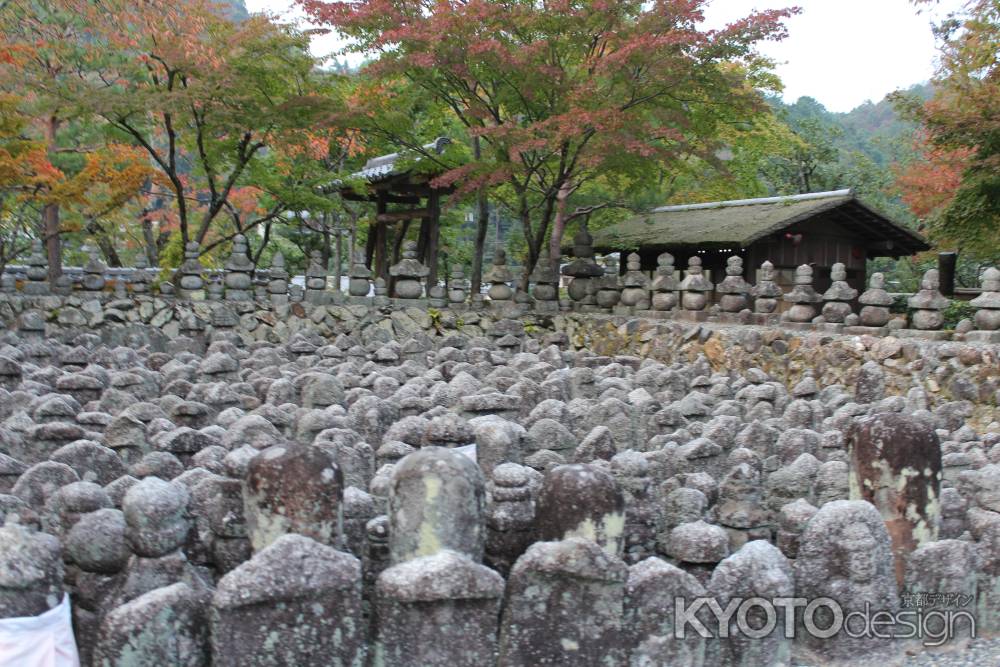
point(39, 641)
point(468, 450)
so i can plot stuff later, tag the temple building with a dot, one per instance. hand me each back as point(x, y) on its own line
point(818, 229)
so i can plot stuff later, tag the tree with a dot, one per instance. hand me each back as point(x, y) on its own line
point(40, 41)
point(107, 178)
point(560, 93)
point(211, 102)
point(24, 170)
point(962, 122)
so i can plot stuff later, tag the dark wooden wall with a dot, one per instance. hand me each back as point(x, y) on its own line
point(823, 243)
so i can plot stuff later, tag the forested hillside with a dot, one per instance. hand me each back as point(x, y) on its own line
point(858, 149)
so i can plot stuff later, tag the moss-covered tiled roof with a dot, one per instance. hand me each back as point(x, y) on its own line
point(740, 223)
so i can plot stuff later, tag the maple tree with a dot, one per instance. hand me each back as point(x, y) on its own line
point(31, 184)
point(24, 169)
point(955, 183)
point(38, 43)
point(928, 182)
point(217, 107)
point(560, 93)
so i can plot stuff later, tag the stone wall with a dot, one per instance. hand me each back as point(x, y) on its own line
point(948, 369)
point(220, 482)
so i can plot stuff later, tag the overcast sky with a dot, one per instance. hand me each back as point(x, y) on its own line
point(841, 52)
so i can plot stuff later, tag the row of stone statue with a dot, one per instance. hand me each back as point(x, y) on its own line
point(590, 288)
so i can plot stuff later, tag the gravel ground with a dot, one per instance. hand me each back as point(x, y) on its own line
point(979, 653)
point(983, 652)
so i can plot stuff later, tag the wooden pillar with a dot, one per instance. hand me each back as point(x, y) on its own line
point(433, 223)
point(946, 272)
point(398, 238)
point(422, 241)
point(338, 271)
point(381, 263)
point(370, 247)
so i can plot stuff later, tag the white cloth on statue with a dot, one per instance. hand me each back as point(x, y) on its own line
point(45, 640)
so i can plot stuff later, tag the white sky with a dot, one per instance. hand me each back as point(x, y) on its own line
point(841, 52)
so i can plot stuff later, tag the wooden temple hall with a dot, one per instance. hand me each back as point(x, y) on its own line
point(401, 196)
point(819, 229)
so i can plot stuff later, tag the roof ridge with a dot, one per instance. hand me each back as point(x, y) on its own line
point(751, 202)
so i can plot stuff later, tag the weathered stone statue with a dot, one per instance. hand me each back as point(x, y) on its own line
point(583, 269)
point(316, 279)
point(695, 286)
point(757, 570)
point(665, 284)
point(944, 565)
point(498, 276)
point(636, 291)
point(580, 584)
point(510, 527)
point(170, 624)
point(297, 602)
point(93, 272)
point(381, 297)
point(650, 615)
point(437, 604)
point(361, 275)
point(215, 290)
point(766, 292)
point(896, 466)
point(733, 288)
point(642, 507)
point(191, 282)
point(437, 296)
point(436, 501)
point(157, 527)
point(546, 284)
point(928, 303)
point(740, 510)
point(293, 489)
point(581, 501)
point(803, 296)
point(140, 279)
point(239, 281)
point(439, 609)
point(408, 273)
point(845, 554)
point(609, 286)
point(837, 307)
point(458, 286)
point(277, 287)
point(875, 302)
point(792, 521)
point(33, 569)
point(988, 316)
point(37, 284)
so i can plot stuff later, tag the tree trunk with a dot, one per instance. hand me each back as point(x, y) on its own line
point(482, 224)
point(50, 214)
point(338, 266)
point(559, 224)
point(534, 249)
point(326, 250)
point(108, 249)
point(433, 239)
point(152, 250)
point(53, 244)
point(536, 242)
point(263, 245)
point(110, 253)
